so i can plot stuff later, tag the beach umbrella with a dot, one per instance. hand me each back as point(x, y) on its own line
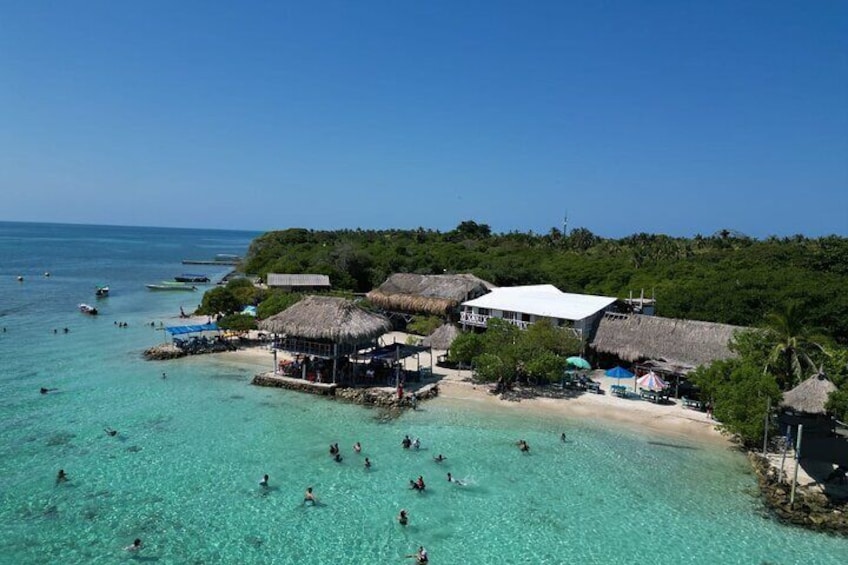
point(618, 372)
point(578, 362)
point(651, 381)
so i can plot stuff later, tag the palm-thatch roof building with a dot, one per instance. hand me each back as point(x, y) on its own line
point(326, 327)
point(443, 337)
point(810, 396)
point(682, 344)
point(439, 295)
point(301, 282)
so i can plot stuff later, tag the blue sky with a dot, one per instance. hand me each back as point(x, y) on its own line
point(669, 117)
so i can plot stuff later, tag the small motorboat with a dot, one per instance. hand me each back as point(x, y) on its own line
point(170, 285)
point(191, 278)
point(101, 291)
point(88, 309)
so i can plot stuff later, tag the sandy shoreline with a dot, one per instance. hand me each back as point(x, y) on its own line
point(671, 420)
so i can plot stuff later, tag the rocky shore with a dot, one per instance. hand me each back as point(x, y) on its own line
point(812, 509)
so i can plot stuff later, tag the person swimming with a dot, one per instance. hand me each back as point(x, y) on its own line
point(309, 497)
point(403, 519)
point(406, 442)
point(417, 443)
point(562, 437)
point(61, 476)
point(357, 447)
point(264, 481)
point(420, 483)
point(439, 458)
point(110, 432)
point(134, 546)
point(367, 463)
point(523, 445)
point(455, 481)
point(337, 457)
point(44, 390)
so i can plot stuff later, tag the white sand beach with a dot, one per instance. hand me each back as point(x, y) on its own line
point(671, 420)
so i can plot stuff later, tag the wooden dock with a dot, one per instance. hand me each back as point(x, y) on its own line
point(279, 381)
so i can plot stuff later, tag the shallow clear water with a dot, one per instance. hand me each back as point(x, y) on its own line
point(182, 473)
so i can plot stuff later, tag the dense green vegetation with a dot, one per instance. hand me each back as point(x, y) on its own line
point(505, 353)
point(721, 278)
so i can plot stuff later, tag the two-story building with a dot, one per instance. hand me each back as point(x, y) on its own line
point(524, 305)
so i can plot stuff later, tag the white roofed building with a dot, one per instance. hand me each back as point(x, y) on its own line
point(524, 305)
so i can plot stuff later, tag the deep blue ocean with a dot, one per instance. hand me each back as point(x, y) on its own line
point(182, 472)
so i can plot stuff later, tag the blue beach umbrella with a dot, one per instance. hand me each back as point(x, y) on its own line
point(578, 362)
point(619, 373)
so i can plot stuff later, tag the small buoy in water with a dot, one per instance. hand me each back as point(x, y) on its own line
point(20, 278)
point(46, 273)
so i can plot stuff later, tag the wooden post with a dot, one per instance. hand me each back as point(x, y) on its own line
point(335, 360)
point(765, 429)
point(783, 459)
point(797, 463)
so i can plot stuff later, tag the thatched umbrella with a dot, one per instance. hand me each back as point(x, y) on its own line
point(443, 337)
point(434, 294)
point(810, 396)
point(327, 318)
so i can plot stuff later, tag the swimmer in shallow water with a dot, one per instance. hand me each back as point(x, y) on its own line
point(439, 458)
point(403, 519)
point(309, 497)
point(134, 546)
point(455, 481)
point(367, 463)
point(61, 476)
point(357, 447)
point(110, 432)
point(264, 481)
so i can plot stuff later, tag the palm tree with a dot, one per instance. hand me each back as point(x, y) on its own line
point(793, 343)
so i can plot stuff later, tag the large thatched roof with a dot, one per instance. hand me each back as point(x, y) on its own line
point(435, 294)
point(810, 396)
point(327, 318)
point(443, 337)
point(686, 343)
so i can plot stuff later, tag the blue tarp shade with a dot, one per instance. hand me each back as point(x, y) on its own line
point(179, 330)
point(393, 351)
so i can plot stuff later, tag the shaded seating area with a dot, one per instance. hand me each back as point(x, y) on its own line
point(579, 381)
point(656, 396)
point(381, 366)
point(619, 391)
point(322, 332)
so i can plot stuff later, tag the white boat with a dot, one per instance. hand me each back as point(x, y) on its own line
point(166, 285)
point(101, 291)
point(88, 309)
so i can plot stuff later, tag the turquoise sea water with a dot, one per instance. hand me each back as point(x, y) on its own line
point(182, 473)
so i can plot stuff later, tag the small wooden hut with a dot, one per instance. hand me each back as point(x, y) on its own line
point(810, 396)
point(440, 295)
point(326, 327)
point(443, 337)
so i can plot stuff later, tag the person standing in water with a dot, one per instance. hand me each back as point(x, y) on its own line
point(61, 477)
point(403, 519)
point(309, 497)
point(264, 481)
point(367, 463)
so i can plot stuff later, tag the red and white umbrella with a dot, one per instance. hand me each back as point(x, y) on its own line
point(651, 381)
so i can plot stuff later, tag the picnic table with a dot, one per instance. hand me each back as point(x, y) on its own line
point(619, 390)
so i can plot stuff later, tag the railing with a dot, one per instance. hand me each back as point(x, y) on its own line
point(482, 320)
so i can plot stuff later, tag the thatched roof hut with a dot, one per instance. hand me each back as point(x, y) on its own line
point(327, 318)
point(433, 294)
point(443, 337)
point(810, 396)
point(685, 343)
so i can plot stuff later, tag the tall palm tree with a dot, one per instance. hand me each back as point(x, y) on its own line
point(793, 343)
